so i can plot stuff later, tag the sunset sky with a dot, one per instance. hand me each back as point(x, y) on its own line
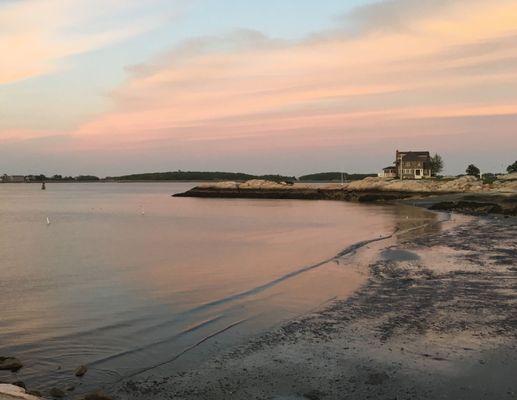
point(110, 87)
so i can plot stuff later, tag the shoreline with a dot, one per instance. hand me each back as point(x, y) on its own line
point(466, 195)
point(414, 330)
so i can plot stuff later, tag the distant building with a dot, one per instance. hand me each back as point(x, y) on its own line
point(413, 164)
point(13, 178)
point(409, 165)
point(389, 172)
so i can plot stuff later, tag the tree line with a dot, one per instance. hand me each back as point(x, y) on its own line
point(61, 178)
point(333, 177)
point(193, 176)
point(437, 165)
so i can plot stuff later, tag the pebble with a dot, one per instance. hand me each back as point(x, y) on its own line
point(81, 371)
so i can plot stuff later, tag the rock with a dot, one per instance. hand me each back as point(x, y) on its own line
point(219, 185)
point(80, 371)
point(10, 364)
point(35, 393)
point(13, 392)
point(57, 393)
point(20, 384)
point(97, 396)
point(261, 184)
point(508, 177)
point(468, 207)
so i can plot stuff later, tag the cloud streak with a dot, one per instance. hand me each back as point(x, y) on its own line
point(35, 36)
point(207, 82)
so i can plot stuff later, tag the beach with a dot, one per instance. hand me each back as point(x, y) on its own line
point(379, 300)
point(435, 319)
point(125, 278)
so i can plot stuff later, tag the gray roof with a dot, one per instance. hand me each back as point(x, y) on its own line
point(416, 156)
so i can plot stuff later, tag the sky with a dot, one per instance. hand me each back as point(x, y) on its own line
point(112, 87)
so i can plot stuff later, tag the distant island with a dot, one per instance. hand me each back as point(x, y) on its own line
point(193, 176)
point(200, 176)
point(188, 176)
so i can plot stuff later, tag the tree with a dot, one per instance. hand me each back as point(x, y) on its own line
point(86, 178)
point(436, 164)
point(512, 168)
point(472, 170)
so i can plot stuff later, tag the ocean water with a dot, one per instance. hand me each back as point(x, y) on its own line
point(130, 281)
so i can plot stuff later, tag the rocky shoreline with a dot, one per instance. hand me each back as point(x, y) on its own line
point(466, 195)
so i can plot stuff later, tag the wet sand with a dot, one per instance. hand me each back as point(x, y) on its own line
point(436, 319)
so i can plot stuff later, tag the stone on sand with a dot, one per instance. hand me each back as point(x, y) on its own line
point(10, 364)
point(13, 392)
point(81, 371)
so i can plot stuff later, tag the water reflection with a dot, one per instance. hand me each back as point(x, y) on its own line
point(108, 286)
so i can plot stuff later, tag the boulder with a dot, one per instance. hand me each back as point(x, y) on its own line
point(219, 185)
point(261, 184)
point(13, 392)
point(10, 364)
point(508, 177)
point(20, 384)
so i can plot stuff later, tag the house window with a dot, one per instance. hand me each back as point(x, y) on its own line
point(417, 172)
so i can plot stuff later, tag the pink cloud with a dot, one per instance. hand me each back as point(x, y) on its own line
point(259, 86)
point(38, 35)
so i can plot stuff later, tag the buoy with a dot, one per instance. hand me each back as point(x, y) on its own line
point(48, 221)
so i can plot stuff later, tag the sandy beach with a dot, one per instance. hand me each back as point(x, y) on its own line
point(436, 319)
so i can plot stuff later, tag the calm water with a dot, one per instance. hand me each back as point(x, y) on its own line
point(126, 277)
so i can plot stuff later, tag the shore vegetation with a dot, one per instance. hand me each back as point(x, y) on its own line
point(333, 177)
point(472, 170)
point(512, 168)
point(192, 176)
